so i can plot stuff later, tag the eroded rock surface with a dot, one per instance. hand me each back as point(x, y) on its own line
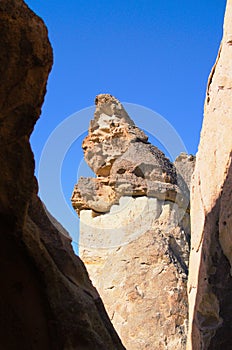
point(185, 165)
point(110, 134)
point(134, 231)
point(46, 298)
point(210, 281)
point(124, 161)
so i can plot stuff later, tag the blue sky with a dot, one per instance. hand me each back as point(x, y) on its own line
point(155, 53)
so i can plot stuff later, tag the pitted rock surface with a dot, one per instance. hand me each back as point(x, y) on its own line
point(134, 231)
point(125, 163)
point(110, 134)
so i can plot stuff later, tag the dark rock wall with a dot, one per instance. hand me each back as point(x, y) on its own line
point(46, 298)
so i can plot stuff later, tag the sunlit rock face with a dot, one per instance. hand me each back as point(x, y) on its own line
point(134, 230)
point(210, 281)
point(110, 134)
point(47, 301)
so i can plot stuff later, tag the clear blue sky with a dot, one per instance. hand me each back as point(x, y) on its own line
point(155, 53)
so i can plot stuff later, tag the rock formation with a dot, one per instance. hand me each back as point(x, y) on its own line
point(134, 215)
point(134, 230)
point(210, 281)
point(46, 298)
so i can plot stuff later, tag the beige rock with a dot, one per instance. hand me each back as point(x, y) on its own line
point(136, 167)
point(134, 231)
point(93, 193)
point(185, 165)
point(143, 283)
point(210, 282)
point(110, 134)
point(126, 221)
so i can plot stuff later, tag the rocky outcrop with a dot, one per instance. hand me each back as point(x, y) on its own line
point(134, 230)
point(46, 298)
point(185, 165)
point(210, 281)
point(125, 163)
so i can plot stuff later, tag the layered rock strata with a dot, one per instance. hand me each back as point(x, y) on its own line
point(46, 298)
point(134, 230)
point(210, 281)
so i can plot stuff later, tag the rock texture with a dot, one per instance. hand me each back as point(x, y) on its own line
point(185, 165)
point(125, 163)
point(134, 230)
point(46, 298)
point(210, 281)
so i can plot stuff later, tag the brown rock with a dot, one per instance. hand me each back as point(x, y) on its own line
point(136, 167)
point(110, 134)
point(134, 231)
point(46, 299)
point(93, 194)
point(185, 165)
point(210, 282)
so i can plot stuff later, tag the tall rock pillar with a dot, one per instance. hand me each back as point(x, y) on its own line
point(210, 281)
point(134, 230)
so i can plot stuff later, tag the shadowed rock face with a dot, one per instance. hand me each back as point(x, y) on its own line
point(46, 298)
point(210, 281)
point(134, 230)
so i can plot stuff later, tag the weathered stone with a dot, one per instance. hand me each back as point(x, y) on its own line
point(137, 256)
point(125, 222)
point(95, 194)
point(144, 161)
point(210, 281)
point(110, 134)
point(138, 169)
point(134, 232)
point(46, 298)
point(185, 165)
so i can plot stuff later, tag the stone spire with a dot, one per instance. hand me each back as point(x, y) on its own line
point(125, 163)
point(134, 230)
